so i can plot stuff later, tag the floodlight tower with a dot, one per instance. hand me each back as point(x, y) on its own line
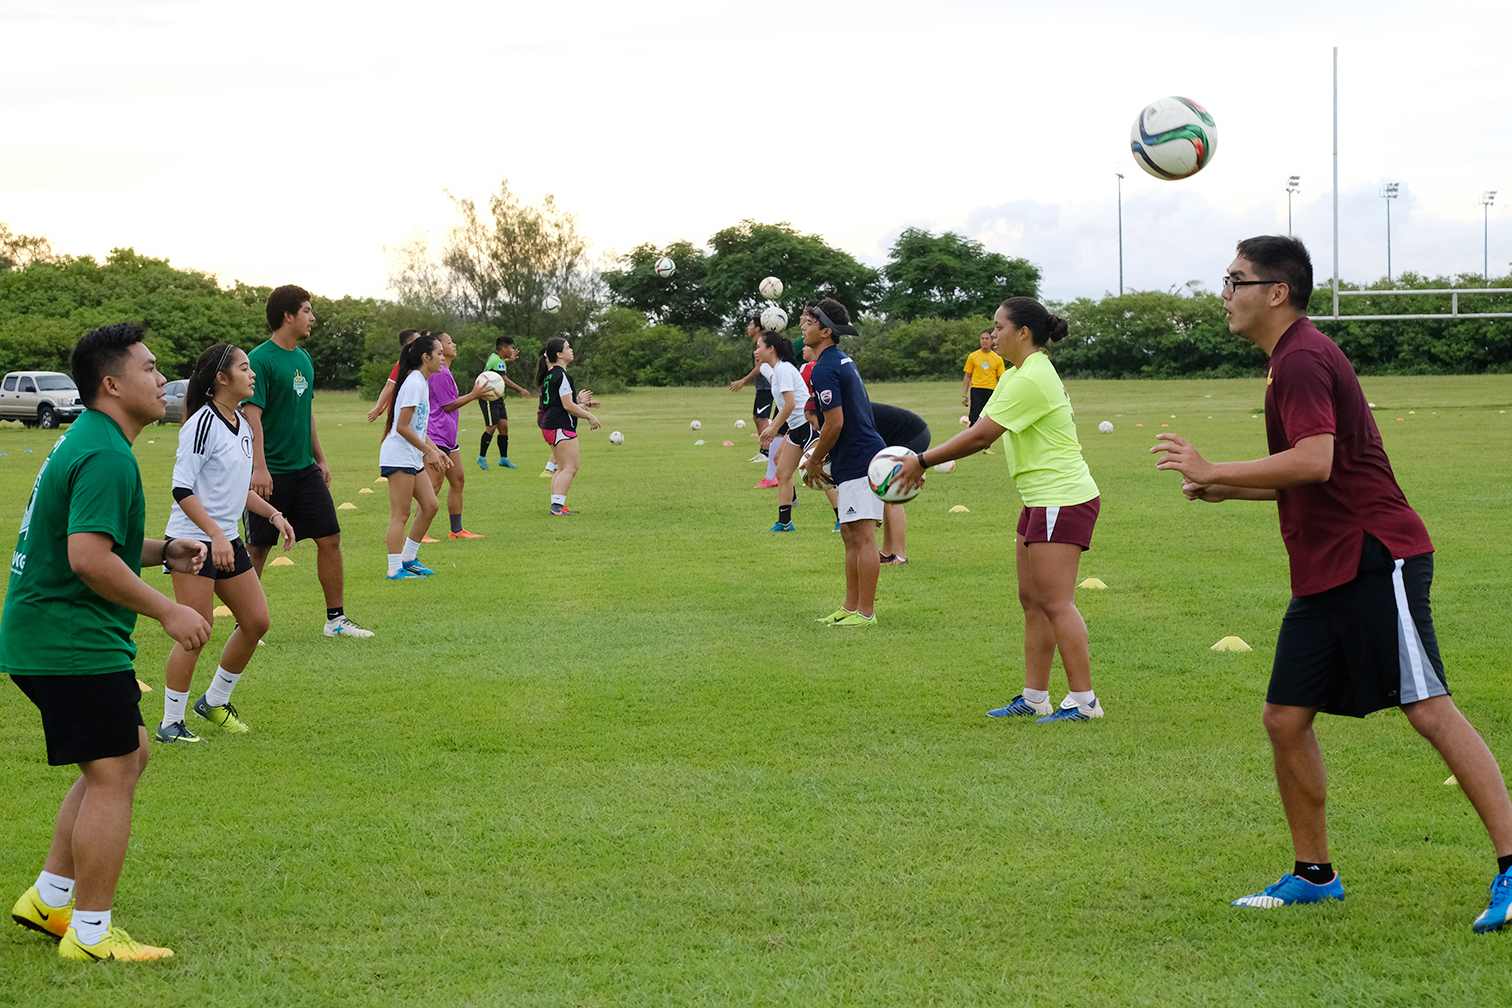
point(1487, 198)
point(1293, 184)
point(1389, 193)
point(1120, 233)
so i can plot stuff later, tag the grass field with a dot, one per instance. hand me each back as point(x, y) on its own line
point(611, 759)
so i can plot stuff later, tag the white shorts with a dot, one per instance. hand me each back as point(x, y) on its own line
point(857, 502)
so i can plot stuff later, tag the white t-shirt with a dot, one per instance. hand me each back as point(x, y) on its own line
point(395, 450)
point(786, 378)
point(214, 461)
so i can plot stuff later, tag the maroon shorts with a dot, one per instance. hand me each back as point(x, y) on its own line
point(1071, 524)
point(555, 434)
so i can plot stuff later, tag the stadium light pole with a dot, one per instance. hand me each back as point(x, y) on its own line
point(1120, 233)
point(1487, 198)
point(1293, 184)
point(1389, 193)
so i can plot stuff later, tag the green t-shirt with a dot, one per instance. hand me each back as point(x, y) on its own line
point(53, 624)
point(496, 363)
point(1044, 456)
point(285, 387)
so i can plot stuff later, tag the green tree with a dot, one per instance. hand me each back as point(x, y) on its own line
point(681, 299)
point(18, 250)
point(951, 277)
point(1153, 334)
point(809, 269)
point(925, 348)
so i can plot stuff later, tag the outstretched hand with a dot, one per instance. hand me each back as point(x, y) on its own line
point(1182, 456)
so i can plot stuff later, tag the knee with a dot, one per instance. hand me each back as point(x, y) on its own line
point(1433, 717)
point(1286, 723)
point(256, 624)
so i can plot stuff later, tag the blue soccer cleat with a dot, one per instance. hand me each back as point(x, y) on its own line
point(483, 462)
point(1019, 707)
point(1495, 915)
point(1291, 889)
point(1074, 713)
point(504, 463)
point(781, 527)
point(402, 573)
point(416, 567)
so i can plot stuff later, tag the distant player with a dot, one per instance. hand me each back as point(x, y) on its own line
point(387, 395)
point(558, 416)
point(906, 429)
point(406, 452)
point(1358, 636)
point(849, 439)
point(441, 428)
point(763, 408)
point(211, 476)
point(1061, 502)
point(983, 369)
point(65, 638)
point(790, 430)
point(495, 416)
point(289, 469)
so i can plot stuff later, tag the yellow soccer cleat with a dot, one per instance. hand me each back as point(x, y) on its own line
point(31, 912)
point(116, 945)
point(223, 715)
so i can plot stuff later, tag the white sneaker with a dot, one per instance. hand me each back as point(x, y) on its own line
point(758, 457)
point(342, 626)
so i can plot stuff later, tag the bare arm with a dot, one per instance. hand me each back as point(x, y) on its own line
point(520, 388)
point(1308, 461)
point(966, 389)
point(435, 458)
point(262, 483)
point(317, 451)
point(384, 398)
point(91, 558)
point(980, 435)
point(457, 404)
point(572, 407)
point(736, 386)
point(775, 427)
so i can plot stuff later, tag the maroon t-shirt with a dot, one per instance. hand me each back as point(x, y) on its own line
point(1312, 389)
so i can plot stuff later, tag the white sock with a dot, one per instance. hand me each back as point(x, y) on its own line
point(220, 689)
point(395, 559)
point(411, 549)
point(91, 926)
point(772, 463)
point(551, 467)
point(1079, 699)
point(1036, 695)
point(559, 499)
point(55, 890)
point(174, 703)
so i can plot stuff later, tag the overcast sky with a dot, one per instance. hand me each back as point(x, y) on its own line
point(285, 142)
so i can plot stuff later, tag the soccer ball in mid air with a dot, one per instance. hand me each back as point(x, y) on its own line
point(665, 267)
point(616, 438)
point(1173, 138)
point(740, 425)
point(771, 288)
point(552, 304)
point(774, 319)
point(1106, 426)
point(696, 425)
point(884, 466)
point(493, 385)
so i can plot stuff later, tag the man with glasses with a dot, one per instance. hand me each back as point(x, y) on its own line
point(1357, 636)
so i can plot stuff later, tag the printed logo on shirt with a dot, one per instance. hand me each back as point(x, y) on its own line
point(850, 510)
point(301, 383)
point(246, 445)
point(826, 396)
point(1268, 376)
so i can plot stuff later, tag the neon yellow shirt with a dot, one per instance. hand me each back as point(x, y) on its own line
point(1044, 456)
point(985, 368)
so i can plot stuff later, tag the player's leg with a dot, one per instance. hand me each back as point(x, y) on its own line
point(862, 566)
point(1440, 721)
point(1300, 777)
point(1039, 635)
point(1051, 570)
point(198, 593)
point(426, 507)
point(487, 437)
point(401, 488)
point(565, 455)
point(503, 428)
point(787, 456)
point(243, 595)
point(456, 481)
point(894, 529)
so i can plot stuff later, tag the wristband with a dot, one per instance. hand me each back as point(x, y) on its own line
point(922, 463)
point(166, 540)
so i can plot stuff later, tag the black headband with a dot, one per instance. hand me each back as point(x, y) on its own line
point(824, 320)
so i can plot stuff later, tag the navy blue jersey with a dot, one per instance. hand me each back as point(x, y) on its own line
point(836, 382)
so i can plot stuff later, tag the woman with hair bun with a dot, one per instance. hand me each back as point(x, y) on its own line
point(1031, 406)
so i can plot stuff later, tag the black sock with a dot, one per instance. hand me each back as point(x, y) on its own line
point(333, 613)
point(456, 521)
point(1503, 863)
point(785, 513)
point(483, 445)
point(1317, 874)
point(837, 514)
point(503, 446)
point(766, 452)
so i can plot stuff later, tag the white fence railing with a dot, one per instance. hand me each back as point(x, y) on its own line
point(1454, 312)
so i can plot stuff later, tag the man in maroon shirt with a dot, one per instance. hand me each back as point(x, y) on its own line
point(1357, 636)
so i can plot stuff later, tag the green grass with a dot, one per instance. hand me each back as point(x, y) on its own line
point(610, 760)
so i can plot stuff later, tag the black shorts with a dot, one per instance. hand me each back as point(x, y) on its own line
point(803, 435)
point(305, 501)
point(493, 411)
point(1363, 646)
point(86, 717)
point(979, 397)
point(920, 442)
point(241, 562)
point(763, 407)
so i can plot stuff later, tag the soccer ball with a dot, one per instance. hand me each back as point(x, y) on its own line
point(773, 318)
point(1173, 138)
point(965, 421)
point(616, 438)
point(1106, 426)
point(740, 425)
point(665, 267)
point(828, 482)
point(947, 466)
point(696, 425)
point(493, 385)
point(552, 304)
point(771, 288)
point(879, 475)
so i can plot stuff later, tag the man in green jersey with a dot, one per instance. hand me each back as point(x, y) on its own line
point(65, 637)
point(495, 416)
point(289, 468)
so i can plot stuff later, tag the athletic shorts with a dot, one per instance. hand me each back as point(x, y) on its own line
point(387, 471)
point(857, 502)
point(86, 717)
point(305, 501)
point(241, 562)
point(979, 397)
point(920, 443)
point(555, 434)
point(763, 407)
point(1363, 646)
point(1066, 524)
point(493, 411)
point(445, 448)
point(803, 435)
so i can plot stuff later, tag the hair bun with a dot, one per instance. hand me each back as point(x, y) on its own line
point(1058, 327)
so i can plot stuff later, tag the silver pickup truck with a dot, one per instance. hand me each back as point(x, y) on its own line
point(43, 399)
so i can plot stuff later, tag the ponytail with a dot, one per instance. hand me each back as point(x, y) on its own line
point(780, 344)
point(548, 358)
point(410, 360)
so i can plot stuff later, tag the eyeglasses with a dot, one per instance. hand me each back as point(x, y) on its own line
point(1229, 283)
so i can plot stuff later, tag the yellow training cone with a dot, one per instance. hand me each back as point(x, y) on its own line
point(366, 490)
point(143, 687)
point(960, 509)
point(221, 610)
point(281, 562)
point(1231, 644)
point(381, 479)
point(1451, 780)
point(348, 506)
point(1092, 583)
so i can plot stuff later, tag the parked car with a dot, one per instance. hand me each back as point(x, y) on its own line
point(43, 399)
point(175, 390)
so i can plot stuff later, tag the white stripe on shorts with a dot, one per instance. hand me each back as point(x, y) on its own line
point(1411, 655)
point(1051, 513)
